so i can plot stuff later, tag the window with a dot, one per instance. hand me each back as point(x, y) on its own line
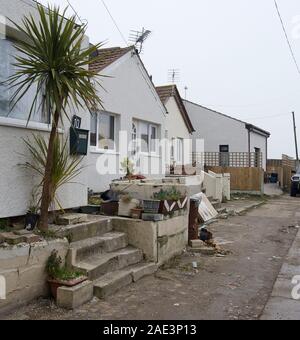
point(180, 150)
point(22, 109)
point(103, 129)
point(153, 138)
point(148, 135)
point(144, 133)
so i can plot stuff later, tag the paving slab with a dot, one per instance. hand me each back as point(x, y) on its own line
point(279, 308)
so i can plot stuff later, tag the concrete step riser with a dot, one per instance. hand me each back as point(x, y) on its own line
point(115, 263)
point(90, 230)
point(103, 246)
point(103, 292)
point(103, 289)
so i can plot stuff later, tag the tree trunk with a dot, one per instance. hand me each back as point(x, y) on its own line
point(46, 196)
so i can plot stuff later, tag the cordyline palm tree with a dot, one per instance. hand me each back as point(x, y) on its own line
point(52, 59)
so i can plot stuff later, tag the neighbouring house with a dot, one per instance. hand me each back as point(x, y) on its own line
point(228, 142)
point(15, 183)
point(179, 128)
point(131, 123)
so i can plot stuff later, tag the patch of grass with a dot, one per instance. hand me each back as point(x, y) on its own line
point(95, 200)
point(4, 225)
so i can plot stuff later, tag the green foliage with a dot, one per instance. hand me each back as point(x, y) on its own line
point(65, 167)
point(4, 226)
point(52, 58)
point(57, 271)
point(168, 195)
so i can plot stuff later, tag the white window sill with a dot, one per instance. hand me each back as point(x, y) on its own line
point(103, 152)
point(149, 154)
point(22, 124)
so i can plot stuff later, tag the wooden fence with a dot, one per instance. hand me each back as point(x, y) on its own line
point(243, 179)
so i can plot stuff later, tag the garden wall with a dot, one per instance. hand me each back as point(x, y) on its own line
point(160, 241)
point(23, 268)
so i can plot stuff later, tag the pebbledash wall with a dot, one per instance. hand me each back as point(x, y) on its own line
point(129, 94)
point(218, 129)
point(15, 183)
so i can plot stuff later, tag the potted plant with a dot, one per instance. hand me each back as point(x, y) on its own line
point(32, 215)
point(170, 200)
point(60, 276)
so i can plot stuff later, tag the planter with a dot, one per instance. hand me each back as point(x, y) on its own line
point(55, 284)
point(151, 206)
point(109, 208)
point(168, 206)
point(31, 221)
point(136, 214)
point(182, 203)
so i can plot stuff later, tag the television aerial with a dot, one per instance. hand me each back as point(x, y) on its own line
point(139, 38)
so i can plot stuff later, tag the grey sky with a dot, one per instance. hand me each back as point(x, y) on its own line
point(232, 54)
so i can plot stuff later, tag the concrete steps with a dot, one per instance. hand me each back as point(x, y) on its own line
point(101, 264)
point(90, 229)
point(112, 282)
point(103, 255)
point(107, 243)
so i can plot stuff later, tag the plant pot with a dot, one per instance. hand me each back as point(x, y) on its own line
point(109, 208)
point(31, 221)
point(182, 203)
point(151, 206)
point(168, 206)
point(55, 284)
point(136, 214)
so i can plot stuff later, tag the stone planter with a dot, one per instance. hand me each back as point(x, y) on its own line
point(55, 284)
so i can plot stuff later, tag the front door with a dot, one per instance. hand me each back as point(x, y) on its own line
point(224, 155)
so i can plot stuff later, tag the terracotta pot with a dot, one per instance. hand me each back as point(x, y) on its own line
point(55, 284)
point(136, 214)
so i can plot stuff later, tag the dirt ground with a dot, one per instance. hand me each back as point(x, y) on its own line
point(236, 286)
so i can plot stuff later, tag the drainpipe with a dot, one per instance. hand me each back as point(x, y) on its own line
point(249, 147)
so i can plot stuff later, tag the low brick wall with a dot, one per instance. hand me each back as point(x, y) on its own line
point(160, 241)
point(23, 268)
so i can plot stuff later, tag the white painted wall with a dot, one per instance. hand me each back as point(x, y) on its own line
point(130, 94)
point(175, 124)
point(15, 184)
point(217, 129)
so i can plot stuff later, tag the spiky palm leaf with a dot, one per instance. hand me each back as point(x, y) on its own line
point(65, 167)
point(51, 57)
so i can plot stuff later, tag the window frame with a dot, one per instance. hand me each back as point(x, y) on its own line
point(150, 125)
point(7, 120)
point(96, 148)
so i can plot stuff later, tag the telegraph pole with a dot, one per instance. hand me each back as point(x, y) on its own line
point(296, 140)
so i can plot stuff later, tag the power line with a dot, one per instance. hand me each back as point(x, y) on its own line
point(287, 38)
point(114, 21)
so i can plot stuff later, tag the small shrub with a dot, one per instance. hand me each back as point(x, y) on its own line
point(57, 271)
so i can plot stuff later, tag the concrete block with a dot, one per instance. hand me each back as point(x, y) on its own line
point(69, 219)
point(143, 270)
point(74, 297)
point(13, 239)
point(112, 282)
point(22, 232)
point(31, 238)
point(153, 217)
point(197, 244)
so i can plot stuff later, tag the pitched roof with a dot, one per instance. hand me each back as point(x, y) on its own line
point(107, 56)
point(248, 126)
point(165, 92)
